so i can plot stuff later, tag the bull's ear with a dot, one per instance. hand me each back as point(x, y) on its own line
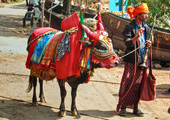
point(86, 43)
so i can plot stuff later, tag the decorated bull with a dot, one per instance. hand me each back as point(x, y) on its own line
point(69, 55)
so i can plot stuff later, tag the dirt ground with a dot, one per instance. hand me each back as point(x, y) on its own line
point(96, 100)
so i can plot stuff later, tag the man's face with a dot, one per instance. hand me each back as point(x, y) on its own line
point(143, 16)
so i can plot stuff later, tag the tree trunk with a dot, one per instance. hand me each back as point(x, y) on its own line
point(66, 7)
point(123, 2)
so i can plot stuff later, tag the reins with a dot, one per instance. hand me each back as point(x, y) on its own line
point(135, 66)
point(132, 51)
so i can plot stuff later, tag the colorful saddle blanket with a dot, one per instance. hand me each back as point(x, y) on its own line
point(32, 42)
point(41, 59)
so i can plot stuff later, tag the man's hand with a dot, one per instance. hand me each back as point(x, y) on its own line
point(148, 43)
point(140, 31)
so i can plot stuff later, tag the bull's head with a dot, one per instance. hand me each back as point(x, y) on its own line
point(102, 48)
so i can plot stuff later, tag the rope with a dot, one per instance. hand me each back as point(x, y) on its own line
point(32, 29)
point(3, 73)
point(132, 51)
point(15, 74)
point(134, 75)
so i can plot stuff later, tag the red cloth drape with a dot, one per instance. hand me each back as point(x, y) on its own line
point(69, 64)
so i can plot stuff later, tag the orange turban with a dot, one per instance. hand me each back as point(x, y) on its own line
point(143, 8)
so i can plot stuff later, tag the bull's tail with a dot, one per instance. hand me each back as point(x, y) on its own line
point(30, 84)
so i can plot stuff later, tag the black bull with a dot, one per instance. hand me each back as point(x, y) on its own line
point(72, 81)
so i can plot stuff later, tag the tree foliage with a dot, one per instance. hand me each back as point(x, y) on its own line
point(159, 7)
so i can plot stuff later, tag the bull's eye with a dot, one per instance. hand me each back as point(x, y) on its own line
point(102, 46)
point(103, 49)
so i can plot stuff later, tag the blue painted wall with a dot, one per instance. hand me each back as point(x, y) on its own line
point(114, 7)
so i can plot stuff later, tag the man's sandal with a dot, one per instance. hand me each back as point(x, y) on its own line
point(138, 112)
point(122, 112)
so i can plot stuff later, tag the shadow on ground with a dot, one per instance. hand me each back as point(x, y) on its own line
point(16, 110)
point(19, 6)
point(103, 114)
point(160, 89)
point(12, 26)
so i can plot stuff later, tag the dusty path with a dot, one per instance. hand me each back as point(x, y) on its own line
point(98, 98)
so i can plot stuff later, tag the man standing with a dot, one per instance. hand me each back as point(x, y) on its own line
point(136, 34)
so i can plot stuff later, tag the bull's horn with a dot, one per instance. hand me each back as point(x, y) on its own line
point(86, 43)
point(87, 30)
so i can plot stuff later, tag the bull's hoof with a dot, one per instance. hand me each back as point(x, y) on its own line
point(35, 104)
point(62, 113)
point(43, 100)
point(74, 113)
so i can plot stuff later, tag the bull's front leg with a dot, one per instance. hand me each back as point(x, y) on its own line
point(63, 93)
point(41, 95)
point(74, 110)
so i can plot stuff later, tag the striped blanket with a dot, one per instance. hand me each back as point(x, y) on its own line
point(41, 56)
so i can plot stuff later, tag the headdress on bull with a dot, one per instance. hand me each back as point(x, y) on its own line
point(92, 26)
point(99, 36)
point(100, 28)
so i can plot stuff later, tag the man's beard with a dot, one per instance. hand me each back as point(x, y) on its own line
point(144, 19)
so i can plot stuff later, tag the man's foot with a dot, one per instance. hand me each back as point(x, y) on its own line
point(122, 112)
point(138, 112)
point(166, 91)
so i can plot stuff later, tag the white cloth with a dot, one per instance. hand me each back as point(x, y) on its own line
point(57, 2)
point(37, 11)
point(35, 2)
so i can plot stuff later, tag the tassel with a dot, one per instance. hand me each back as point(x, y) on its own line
point(130, 11)
point(82, 22)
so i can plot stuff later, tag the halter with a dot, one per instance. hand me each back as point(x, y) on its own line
point(104, 54)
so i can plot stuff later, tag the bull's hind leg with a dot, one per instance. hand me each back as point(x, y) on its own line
point(41, 95)
point(63, 93)
point(33, 83)
point(34, 98)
